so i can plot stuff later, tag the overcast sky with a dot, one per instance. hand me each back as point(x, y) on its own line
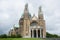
point(11, 11)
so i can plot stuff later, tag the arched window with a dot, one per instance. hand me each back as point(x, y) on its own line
point(34, 23)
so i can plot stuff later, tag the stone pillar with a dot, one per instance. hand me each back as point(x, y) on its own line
point(40, 34)
point(36, 33)
point(32, 33)
point(29, 32)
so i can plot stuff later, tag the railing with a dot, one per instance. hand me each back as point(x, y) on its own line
point(36, 27)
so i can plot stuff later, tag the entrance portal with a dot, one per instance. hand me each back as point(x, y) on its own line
point(36, 33)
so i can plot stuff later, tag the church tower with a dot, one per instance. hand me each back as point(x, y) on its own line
point(26, 22)
point(42, 22)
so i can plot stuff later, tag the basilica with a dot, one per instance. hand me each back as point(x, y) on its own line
point(30, 26)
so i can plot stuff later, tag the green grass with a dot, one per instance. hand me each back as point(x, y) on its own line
point(20, 39)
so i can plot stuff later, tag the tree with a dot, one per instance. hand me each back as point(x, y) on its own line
point(48, 35)
point(19, 36)
point(3, 36)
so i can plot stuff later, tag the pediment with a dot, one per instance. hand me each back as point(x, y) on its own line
point(34, 17)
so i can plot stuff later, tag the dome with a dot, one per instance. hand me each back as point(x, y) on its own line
point(21, 18)
point(29, 15)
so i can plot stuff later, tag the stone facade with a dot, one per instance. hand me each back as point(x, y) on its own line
point(31, 26)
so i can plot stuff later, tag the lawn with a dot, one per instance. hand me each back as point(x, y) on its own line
point(20, 39)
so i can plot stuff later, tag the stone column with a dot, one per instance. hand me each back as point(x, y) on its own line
point(32, 33)
point(36, 33)
point(40, 34)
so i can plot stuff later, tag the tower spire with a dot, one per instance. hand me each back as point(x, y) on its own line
point(26, 7)
point(26, 11)
point(40, 8)
point(40, 14)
